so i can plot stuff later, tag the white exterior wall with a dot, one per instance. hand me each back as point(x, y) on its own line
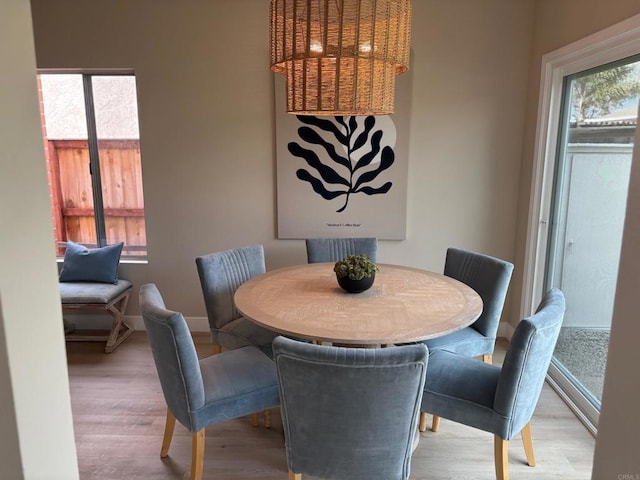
point(593, 205)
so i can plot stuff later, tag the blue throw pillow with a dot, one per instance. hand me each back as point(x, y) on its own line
point(97, 265)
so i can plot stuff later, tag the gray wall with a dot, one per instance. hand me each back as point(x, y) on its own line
point(207, 126)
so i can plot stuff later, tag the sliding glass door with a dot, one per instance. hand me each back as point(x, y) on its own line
point(595, 142)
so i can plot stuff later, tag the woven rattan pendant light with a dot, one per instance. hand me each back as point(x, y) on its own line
point(340, 57)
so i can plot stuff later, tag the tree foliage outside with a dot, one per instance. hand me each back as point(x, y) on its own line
point(603, 92)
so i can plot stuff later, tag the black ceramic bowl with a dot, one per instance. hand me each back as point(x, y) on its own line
point(356, 286)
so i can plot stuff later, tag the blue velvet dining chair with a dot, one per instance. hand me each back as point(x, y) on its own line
point(221, 274)
point(489, 277)
point(498, 400)
point(335, 249)
point(349, 412)
point(203, 392)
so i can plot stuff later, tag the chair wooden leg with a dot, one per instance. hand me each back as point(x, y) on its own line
point(294, 476)
point(423, 422)
point(435, 423)
point(527, 441)
point(501, 454)
point(487, 359)
point(253, 418)
point(216, 349)
point(267, 418)
point(169, 427)
point(197, 455)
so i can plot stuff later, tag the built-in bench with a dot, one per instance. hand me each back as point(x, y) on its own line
point(90, 296)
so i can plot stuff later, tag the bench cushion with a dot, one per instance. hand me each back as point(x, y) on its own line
point(90, 292)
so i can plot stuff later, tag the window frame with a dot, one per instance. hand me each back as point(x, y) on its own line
point(93, 148)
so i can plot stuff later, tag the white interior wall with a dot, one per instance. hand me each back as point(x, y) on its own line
point(36, 426)
point(618, 443)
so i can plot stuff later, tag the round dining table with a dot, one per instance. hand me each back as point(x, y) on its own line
point(404, 305)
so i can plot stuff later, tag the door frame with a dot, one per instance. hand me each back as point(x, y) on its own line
point(613, 43)
point(617, 42)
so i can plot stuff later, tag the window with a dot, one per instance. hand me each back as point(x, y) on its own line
point(92, 147)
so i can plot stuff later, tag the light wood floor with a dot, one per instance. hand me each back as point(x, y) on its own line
point(119, 412)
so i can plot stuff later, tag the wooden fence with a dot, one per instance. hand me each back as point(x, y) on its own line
point(72, 197)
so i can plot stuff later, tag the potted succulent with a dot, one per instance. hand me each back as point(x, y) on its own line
point(355, 273)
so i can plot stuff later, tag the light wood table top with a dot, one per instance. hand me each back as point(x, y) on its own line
point(404, 305)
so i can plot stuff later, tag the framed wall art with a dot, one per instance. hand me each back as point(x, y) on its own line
point(342, 176)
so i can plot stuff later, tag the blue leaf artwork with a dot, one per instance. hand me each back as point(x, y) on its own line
point(352, 157)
